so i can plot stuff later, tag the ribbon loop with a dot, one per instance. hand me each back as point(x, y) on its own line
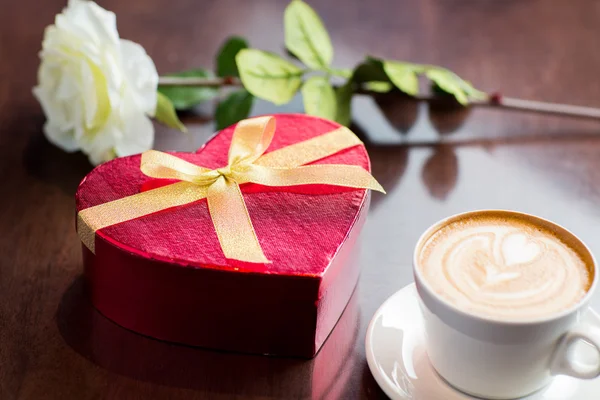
point(156, 164)
point(251, 139)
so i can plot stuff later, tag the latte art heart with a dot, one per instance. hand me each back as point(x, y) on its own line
point(518, 248)
point(508, 268)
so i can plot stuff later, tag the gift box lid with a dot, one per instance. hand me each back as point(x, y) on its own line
point(300, 228)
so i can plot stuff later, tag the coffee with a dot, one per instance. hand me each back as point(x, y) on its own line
point(505, 265)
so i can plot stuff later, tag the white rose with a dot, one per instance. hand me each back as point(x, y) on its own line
point(96, 89)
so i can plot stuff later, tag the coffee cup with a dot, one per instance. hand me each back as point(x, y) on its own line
point(501, 341)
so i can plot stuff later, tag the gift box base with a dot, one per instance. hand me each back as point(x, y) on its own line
point(222, 309)
point(218, 375)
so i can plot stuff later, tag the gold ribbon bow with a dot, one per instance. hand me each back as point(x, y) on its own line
point(246, 163)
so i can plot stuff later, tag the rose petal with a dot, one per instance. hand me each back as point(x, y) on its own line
point(141, 74)
point(61, 138)
point(89, 22)
point(138, 132)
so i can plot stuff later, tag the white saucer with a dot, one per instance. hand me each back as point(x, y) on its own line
point(397, 358)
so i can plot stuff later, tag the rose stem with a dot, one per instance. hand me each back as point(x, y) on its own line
point(495, 100)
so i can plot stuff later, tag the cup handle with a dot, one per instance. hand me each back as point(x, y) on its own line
point(564, 361)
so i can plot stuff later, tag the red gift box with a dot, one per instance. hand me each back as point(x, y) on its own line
point(165, 275)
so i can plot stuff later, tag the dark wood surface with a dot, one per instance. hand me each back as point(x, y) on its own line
point(433, 162)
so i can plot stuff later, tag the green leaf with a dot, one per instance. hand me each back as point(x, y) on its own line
point(453, 84)
point(343, 72)
point(370, 70)
point(165, 113)
point(447, 81)
point(379, 87)
point(226, 56)
point(403, 76)
point(305, 35)
point(184, 98)
point(234, 108)
point(268, 76)
point(343, 95)
point(319, 97)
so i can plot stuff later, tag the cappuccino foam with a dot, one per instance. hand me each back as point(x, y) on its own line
point(504, 266)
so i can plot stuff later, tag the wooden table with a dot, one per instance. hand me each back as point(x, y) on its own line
point(433, 162)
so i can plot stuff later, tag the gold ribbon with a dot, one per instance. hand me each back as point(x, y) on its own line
point(246, 163)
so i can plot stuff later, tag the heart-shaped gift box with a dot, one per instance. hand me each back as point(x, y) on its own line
point(165, 274)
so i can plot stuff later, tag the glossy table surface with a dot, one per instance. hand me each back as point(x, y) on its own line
point(434, 162)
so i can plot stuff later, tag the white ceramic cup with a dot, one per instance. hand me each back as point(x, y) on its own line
point(503, 359)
